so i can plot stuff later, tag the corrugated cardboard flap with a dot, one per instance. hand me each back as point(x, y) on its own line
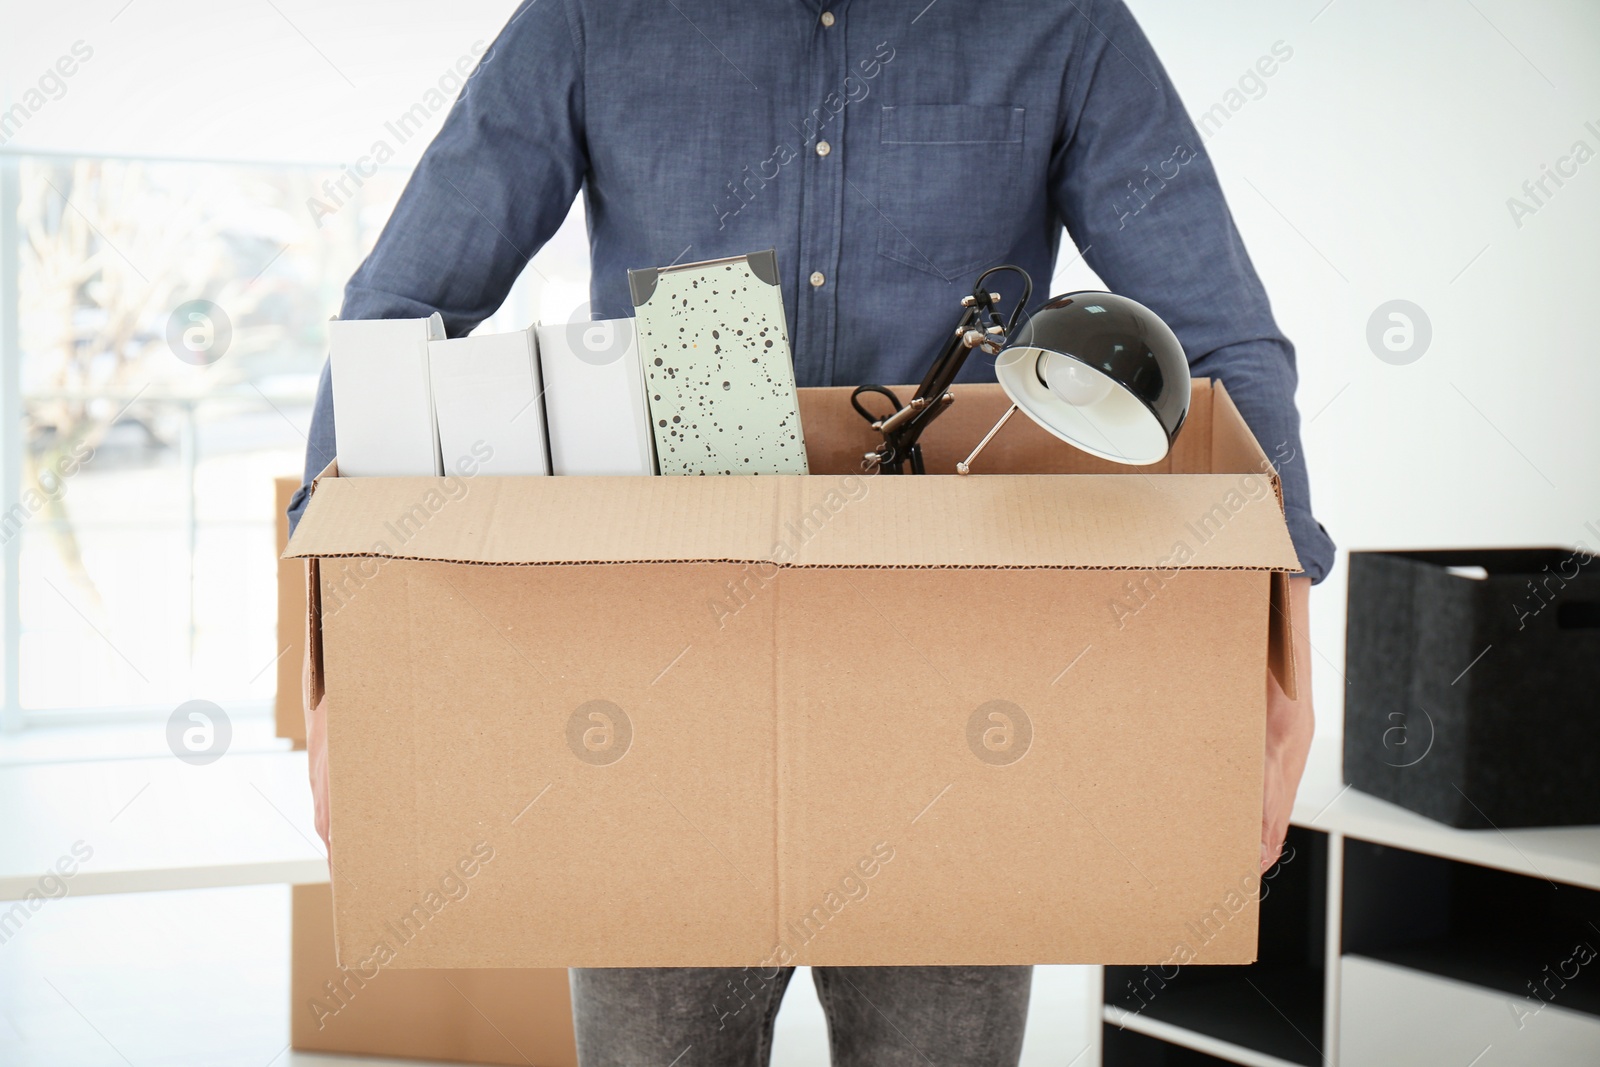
point(1132, 521)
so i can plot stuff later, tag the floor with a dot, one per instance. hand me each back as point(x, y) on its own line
point(201, 977)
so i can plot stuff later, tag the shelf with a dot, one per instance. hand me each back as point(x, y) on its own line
point(1392, 1014)
point(1495, 930)
point(1569, 854)
point(1272, 1008)
point(1139, 1041)
point(157, 824)
point(1273, 1011)
point(1504, 966)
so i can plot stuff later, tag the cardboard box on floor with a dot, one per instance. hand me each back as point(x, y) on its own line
point(288, 715)
point(834, 719)
point(517, 1017)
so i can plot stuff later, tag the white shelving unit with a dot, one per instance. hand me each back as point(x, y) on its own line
point(1361, 857)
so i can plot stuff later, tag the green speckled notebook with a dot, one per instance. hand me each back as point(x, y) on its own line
point(718, 372)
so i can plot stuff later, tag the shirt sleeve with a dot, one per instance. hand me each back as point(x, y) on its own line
point(1132, 182)
point(490, 190)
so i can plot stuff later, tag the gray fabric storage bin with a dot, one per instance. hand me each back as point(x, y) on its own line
point(1476, 701)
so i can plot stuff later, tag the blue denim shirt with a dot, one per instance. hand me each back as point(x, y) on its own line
point(888, 150)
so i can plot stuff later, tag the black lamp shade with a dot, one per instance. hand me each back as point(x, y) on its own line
point(1101, 372)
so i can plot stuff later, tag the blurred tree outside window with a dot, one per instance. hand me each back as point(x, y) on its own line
point(152, 425)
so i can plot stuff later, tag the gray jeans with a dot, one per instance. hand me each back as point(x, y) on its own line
point(877, 1016)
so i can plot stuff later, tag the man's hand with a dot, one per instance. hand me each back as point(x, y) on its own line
point(1289, 728)
point(317, 764)
point(317, 755)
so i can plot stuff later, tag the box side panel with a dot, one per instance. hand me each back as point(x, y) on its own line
point(1536, 642)
point(1019, 767)
point(288, 714)
point(312, 677)
point(1380, 651)
point(1121, 520)
point(1405, 737)
point(1110, 521)
point(837, 437)
point(1443, 622)
point(547, 520)
point(552, 766)
point(1280, 637)
point(1234, 449)
point(1191, 452)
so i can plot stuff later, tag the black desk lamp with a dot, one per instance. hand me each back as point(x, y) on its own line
point(1100, 371)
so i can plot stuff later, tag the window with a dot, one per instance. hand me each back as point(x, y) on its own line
point(162, 327)
point(151, 426)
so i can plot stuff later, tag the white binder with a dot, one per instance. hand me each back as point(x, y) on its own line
point(594, 398)
point(382, 398)
point(486, 397)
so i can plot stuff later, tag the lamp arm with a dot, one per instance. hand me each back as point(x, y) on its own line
point(936, 383)
point(950, 360)
point(902, 428)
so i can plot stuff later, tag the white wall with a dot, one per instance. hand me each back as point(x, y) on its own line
point(300, 80)
point(1375, 166)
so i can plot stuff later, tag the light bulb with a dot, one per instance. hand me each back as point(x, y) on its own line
point(1073, 382)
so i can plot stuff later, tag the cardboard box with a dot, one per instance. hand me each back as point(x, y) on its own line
point(488, 1016)
point(288, 715)
point(826, 719)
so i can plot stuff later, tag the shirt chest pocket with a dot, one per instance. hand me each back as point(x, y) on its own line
point(942, 173)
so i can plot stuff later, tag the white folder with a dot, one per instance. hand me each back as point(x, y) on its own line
point(594, 398)
point(382, 398)
point(486, 398)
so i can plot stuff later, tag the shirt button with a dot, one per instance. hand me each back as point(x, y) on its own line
point(817, 279)
point(827, 18)
point(823, 148)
